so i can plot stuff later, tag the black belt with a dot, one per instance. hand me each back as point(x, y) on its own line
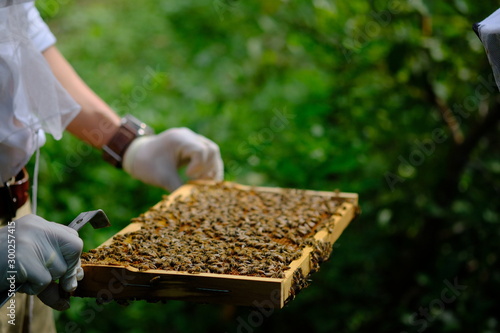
point(13, 195)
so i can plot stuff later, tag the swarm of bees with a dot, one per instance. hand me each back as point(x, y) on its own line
point(225, 230)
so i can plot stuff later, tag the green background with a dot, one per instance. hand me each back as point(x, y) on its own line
point(390, 99)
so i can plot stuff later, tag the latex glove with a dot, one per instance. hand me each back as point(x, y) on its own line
point(44, 252)
point(155, 159)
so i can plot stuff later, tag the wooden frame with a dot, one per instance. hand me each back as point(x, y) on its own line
point(107, 282)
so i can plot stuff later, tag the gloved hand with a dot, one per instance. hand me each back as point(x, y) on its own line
point(155, 159)
point(44, 252)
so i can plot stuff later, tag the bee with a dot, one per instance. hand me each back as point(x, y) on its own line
point(194, 270)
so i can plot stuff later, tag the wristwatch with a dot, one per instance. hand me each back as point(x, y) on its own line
point(129, 129)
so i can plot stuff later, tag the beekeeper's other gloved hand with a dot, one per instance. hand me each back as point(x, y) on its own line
point(43, 252)
point(155, 159)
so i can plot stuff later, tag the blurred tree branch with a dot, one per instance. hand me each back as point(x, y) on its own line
point(446, 113)
point(460, 153)
point(463, 145)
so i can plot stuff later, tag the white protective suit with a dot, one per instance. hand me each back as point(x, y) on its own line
point(32, 102)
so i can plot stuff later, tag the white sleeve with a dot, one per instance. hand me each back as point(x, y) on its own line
point(5, 3)
point(38, 31)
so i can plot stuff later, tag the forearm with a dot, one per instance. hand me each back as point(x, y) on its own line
point(97, 122)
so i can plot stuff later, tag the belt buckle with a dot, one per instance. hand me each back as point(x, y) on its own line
point(21, 178)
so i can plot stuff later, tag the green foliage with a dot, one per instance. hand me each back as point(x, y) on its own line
point(305, 94)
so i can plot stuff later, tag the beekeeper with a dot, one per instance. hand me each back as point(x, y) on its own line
point(40, 93)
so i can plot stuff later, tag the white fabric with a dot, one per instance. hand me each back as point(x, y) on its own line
point(45, 252)
point(38, 31)
point(156, 159)
point(31, 99)
point(5, 3)
point(489, 33)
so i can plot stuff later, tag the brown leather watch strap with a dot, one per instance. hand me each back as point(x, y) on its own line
point(129, 129)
